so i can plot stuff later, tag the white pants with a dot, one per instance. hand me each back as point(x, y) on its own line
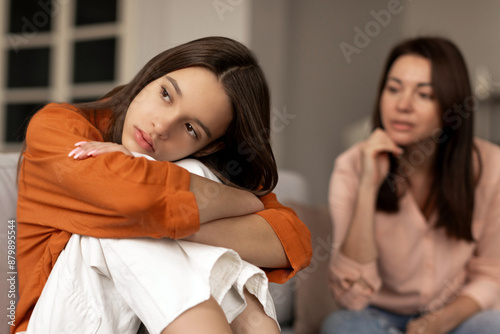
point(111, 285)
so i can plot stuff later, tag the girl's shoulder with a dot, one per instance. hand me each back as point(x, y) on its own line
point(57, 108)
point(55, 112)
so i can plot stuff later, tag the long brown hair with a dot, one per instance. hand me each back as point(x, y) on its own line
point(247, 160)
point(452, 190)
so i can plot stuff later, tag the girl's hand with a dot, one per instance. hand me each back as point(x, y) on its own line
point(86, 149)
point(426, 324)
point(376, 151)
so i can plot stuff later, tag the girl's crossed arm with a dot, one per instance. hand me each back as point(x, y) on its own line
point(242, 202)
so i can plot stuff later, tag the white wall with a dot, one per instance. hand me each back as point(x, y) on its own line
point(163, 24)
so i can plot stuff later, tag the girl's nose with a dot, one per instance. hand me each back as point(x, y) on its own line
point(162, 126)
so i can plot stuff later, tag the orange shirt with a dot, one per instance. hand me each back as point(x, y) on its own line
point(418, 267)
point(111, 196)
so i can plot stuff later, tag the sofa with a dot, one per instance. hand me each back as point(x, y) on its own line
point(301, 304)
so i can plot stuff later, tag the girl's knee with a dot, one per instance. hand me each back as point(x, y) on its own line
point(206, 317)
point(254, 319)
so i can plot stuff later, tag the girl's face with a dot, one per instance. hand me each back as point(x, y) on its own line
point(177, 115)
point(409, 109)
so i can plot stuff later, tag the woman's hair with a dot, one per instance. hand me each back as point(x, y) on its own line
point(452, 190)
point(246, 161)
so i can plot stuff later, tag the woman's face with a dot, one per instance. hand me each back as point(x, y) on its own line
point(409, 109)
point(177, 115)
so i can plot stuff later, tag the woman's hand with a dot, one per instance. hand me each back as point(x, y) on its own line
point(359, 243)
point(446, 319)
point(86, 149)
point(426, 324)
point(376, 151)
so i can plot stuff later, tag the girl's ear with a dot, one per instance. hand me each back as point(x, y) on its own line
point(209, 149)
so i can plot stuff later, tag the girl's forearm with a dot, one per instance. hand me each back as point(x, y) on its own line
point(217, 201)
point(250, 236)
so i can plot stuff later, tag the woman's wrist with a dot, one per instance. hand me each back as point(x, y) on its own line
point(367, 183)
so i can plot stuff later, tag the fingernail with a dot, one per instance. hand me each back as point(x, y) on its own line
point(80, 143)
point(78, 154)
point(73, 152)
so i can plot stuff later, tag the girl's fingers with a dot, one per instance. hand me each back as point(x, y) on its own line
point(81, 153)
point(73, 152)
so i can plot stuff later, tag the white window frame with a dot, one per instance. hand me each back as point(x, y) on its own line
point(61, 39)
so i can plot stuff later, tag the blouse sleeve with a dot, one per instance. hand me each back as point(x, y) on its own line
point(344, 272)
point(293, 234)
point(111, 196)
point(484, 268)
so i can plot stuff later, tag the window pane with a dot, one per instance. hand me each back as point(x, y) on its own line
point(30, 16)
point(85, 99)
point(28, 67)
point(94, 61)
point(17, 120)
point(95, 11)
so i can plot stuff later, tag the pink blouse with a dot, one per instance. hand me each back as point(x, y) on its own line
point(419, 268)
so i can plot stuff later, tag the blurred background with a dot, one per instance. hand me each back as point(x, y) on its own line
point(322, 58)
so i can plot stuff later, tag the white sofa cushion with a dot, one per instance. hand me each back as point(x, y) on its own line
point(8, 198)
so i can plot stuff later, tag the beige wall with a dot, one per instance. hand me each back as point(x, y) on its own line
point(324, 91)
point(162, 24)
point(474, 27)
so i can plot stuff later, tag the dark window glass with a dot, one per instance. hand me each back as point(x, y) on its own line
point(18, 116)
point(28, 67)
point(94, 61)
point(85, 99)
point(30, 16)
point(95, 11)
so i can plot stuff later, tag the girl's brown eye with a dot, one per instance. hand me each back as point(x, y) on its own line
point(191, 130)
point(165, 94)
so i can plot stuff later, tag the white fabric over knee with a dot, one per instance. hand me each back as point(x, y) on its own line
point(111, 285)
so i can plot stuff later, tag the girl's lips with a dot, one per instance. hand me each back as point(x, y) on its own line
point(401, 126)
point(144, 141)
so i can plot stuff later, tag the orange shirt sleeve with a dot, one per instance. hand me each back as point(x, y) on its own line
point(110, 196)
point(293, 234)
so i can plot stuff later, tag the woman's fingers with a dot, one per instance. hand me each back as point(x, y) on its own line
point(376, 150)
point(379, 142)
